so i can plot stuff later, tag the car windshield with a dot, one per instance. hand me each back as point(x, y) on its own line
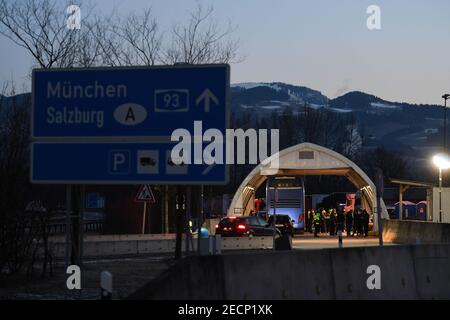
point(228, 221)
point(248, 220)
point(280, 219)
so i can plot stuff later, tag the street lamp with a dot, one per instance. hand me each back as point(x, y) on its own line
point(442, 161)
point(445, 97)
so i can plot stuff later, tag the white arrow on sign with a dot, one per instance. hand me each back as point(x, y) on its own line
point(208, 169)
point(207, 96)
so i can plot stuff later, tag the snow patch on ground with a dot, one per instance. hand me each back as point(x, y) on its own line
point(383, 105)
point(270, 107)
point(248, 85)
point(340, 110)
point(251, 85)
point(315, 106)
point(281, 103)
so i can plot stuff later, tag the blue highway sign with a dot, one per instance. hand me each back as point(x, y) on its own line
point(128, 101)
point(117, 163)
point(113, 125)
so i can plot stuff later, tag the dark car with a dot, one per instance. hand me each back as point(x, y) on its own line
point(244, 226)
point(283, 223)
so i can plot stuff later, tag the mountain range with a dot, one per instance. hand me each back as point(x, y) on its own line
point(413, 130)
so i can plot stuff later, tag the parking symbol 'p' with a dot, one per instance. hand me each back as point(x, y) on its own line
point(119, 162)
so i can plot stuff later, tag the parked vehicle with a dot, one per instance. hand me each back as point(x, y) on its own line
point(283, 223)
point(409, 211)
point(353, 201)
point(422, 213)
point(288, 200)
point(244, 226)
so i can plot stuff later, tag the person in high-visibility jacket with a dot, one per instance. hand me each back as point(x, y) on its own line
point(309, 220)
point(317, 223)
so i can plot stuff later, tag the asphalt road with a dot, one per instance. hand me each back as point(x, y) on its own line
point(129, 274)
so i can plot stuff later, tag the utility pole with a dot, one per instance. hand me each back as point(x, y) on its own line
point(200, 218)
point(144, 213)
point(188, 236)
point(445, 97)
point(165, 222)
point(68, 224)
point(379, 181)
point(442, 162)
point(440, 195)
point(75, 223)
point(274, 223)
point(179, 213)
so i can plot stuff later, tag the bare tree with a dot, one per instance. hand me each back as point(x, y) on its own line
point(40, 28)
point(201, 41)
point(352, 144)
point(141, 36)
point(89, 49)
point(392, 164)
point(125, 41)
point(137, 40)
point(16, 232)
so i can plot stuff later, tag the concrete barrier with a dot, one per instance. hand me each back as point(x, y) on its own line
point(119, 247)
point(407, 272)
point(111, 245)
point(415, 232)
point(432, 267)
point(397, 273)
point(244, 243)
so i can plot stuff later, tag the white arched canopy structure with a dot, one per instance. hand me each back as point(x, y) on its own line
point(302, 160)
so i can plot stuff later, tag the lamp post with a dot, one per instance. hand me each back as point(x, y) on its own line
point(440, 195)
point(445, 97)
point(442, 162)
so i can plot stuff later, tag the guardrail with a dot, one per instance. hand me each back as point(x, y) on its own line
point(88, 227)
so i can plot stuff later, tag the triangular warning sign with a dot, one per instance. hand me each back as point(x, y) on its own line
point(145, 194)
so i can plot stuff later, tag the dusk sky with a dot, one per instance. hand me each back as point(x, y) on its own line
point(324, 45)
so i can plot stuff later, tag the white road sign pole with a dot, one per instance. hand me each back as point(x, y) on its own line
point(68, 223)
point(144, 213)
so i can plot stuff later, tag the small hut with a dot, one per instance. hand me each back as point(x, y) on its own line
point(409, 210)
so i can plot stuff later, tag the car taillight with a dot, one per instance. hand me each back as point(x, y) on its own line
point(241, 227)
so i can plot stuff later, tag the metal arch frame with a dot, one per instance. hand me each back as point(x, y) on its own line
point(341, 166)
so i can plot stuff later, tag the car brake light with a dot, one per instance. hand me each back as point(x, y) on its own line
point(231, 218)
point(241, 227)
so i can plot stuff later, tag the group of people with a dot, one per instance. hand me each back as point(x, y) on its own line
point(332, 221)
